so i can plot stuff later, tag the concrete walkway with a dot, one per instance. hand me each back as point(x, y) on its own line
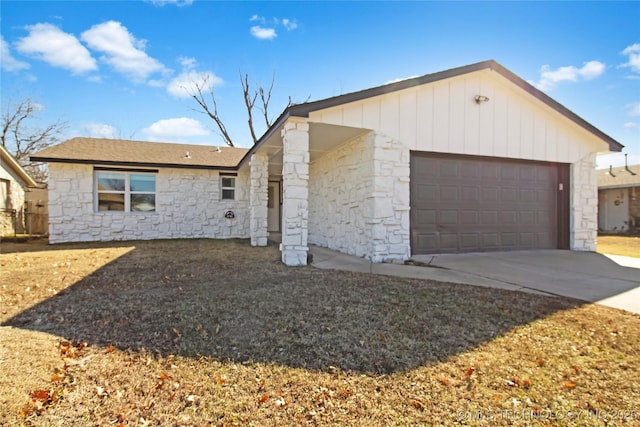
point(610, 280)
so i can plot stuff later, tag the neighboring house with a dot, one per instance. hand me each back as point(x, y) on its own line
point(469, 159)
point(14, 183)
point(619, 199)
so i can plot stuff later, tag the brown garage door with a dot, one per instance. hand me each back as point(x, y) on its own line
point(471, 203)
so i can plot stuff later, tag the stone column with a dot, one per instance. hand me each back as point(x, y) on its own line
point(584, 205)
point(295, 192)
point(258, 193)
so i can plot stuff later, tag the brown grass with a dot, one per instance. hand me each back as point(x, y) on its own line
point(619, 245)
point(205, 332)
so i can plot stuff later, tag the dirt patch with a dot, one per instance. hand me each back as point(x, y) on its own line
point(203, 331)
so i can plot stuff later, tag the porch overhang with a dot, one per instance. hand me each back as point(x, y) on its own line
point(323, 138)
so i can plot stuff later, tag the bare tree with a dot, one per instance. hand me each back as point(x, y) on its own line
point(21, 138)
point(204, 95)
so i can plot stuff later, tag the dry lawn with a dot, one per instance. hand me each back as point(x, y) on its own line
point(206, 332)
point(619, 245)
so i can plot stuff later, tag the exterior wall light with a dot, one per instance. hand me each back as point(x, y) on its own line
point(481, 98)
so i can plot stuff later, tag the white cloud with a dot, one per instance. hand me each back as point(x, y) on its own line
point(263, 33)
point(267, 29)
point(185, 83)
point(57, 48)
point(122, 50)
point(100, 130)
point(9, 63)
point(549, 78)
point(175, 129)
point(633, 52)
point(188, 63)
point(631, 125)
point(179, 3)
point(289, 24)
point(634, 109)
point(591, 70)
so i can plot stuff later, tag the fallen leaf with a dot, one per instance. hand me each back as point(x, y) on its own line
point(40, 395)
point(526, 383)
point(569, 384)
point(164, 376)
point(111, 348)
point(222, 380)
point(443, 380)
point(263, 398)
point(56, 377)
point(416, 404)
point(344, 392)
point(470, 371)
point(540, 362)
point(382, 336)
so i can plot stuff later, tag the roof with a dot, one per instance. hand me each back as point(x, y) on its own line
point(141, 153)
point(7, 159)
point(619, 177)
point(303, 110)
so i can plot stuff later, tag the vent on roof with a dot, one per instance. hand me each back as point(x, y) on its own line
point(626, 167)
point(187, 155)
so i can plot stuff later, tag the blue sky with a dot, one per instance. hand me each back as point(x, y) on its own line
point(119, 68)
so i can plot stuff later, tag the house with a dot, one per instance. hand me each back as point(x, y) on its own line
point(619, 199)
point(469, 159)
point(14, 183)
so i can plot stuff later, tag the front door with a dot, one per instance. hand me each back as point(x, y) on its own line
point(273, 207)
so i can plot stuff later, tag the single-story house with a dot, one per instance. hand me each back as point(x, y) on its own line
point(469, 159)
point(619, 199)
point(14, 183)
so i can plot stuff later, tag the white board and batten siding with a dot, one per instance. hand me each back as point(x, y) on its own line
point(444, 117)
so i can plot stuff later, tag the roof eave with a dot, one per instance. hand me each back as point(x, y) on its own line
point(17, 167)
point(131, 164)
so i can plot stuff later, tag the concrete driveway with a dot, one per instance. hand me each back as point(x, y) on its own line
point(605, 279)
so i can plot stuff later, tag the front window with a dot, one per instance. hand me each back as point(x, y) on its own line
point(125, 191)
point(228, 184)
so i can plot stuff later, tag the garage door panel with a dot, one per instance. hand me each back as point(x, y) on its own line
point(469, 218)
point(468, 203)
point(426, 218)
point(489, 217)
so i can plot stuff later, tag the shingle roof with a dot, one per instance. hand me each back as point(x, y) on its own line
point(141, 153)
point(620, 178)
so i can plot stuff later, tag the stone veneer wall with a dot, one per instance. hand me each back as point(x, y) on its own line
point(359, 199)
point(583, 205)
point(188, 205)
point(258, 199)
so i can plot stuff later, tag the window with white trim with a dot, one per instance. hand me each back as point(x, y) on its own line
point(125, 191)
point(227, 187)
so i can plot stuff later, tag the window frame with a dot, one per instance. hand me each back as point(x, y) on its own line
point(224, 188)
point(127, 192)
